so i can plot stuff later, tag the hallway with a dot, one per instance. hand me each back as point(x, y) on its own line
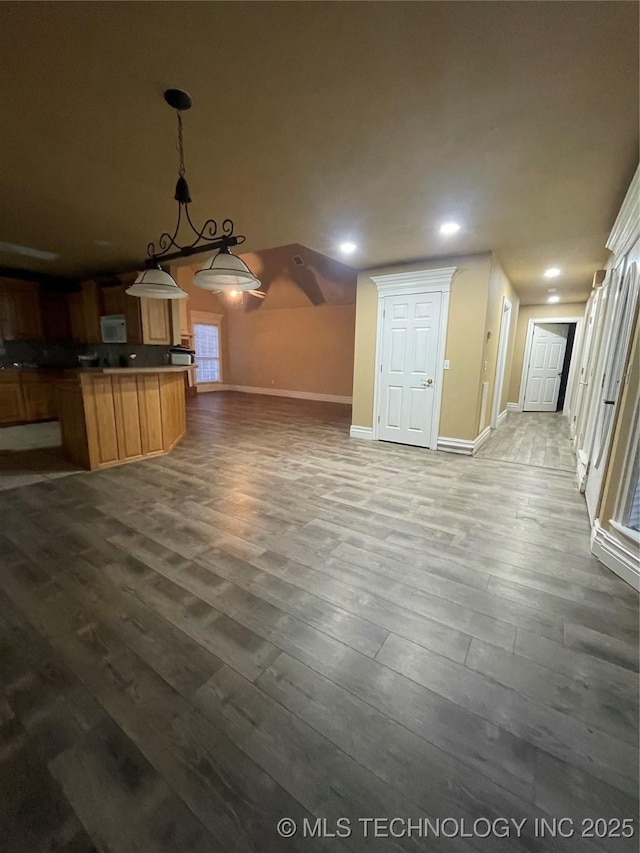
point(532, 438)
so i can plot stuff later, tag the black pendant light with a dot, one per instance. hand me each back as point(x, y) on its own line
point(225, 272)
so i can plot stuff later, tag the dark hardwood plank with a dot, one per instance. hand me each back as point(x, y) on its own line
point(275, 620)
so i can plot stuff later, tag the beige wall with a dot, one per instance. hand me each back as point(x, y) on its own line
point(285, 343)
point(464, 348)
point(499, 288)
point(293, 349)
point(526, 313)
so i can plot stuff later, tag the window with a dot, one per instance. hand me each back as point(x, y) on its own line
point(206, 338)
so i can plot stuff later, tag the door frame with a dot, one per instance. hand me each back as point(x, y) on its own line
point(406, 284)
point(503, 347)
point(547, 321)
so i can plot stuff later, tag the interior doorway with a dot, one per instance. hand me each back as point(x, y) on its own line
point(548, 371)
point(410, 342)
point(503, 345)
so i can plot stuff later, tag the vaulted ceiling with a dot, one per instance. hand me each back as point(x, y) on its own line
point(317, 122)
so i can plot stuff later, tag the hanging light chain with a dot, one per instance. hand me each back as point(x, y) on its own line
point(211, 235)
point(180, 146)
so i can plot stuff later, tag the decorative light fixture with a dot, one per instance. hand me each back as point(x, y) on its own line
point(224, 272)
point(552, 272)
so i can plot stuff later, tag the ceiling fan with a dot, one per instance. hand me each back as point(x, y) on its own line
point(297, 267)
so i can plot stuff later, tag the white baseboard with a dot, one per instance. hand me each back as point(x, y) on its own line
point(361, 432)
point(582, 469)
point(464, 446)
point(502, 416)
point(456, 445)
point(615, 556)
point(480, 440)
point(298, 395)
point(513, 407)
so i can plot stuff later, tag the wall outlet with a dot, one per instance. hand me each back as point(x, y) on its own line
point(485, 366)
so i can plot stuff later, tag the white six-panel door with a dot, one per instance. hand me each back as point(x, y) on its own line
point(545, 367)
point(408, 375)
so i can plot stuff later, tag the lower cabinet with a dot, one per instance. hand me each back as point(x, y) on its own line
point(11, 405)
point(39, 396)
point(28, 396)
point(106, 419)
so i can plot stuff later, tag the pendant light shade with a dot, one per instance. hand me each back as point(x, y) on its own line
point(156, 284)
point(226, 272)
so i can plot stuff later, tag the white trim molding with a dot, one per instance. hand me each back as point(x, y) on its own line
point(625, 229)
point(615, 556)
point(463, 446)
point(298, 395)
point(402, 284)
point(455, 445)
point(480, 440)
point(582, 469)
point(513, 407)
point(529, 345)
point(501, 364)
point(361, 432)
point(420, 281)
point(502, 416)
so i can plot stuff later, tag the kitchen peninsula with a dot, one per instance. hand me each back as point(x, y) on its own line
point(113, 415)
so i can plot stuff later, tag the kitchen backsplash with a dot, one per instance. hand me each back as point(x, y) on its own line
point(28, 354)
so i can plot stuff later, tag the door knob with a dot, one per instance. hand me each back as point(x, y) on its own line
point(426, 383)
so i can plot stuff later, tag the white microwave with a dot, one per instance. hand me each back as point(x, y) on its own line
point(114, 329)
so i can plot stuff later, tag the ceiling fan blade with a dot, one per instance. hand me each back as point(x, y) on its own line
point(304, 277)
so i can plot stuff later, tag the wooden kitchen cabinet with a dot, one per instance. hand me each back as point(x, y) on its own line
point(39, 395)
point(20, 312)
point(117, 415)
point(55, 316)
point(77, 325)
point(185, 324)
point(11, 403)
point(156, 321)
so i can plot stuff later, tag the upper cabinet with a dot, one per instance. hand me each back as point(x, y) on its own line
point(20, 312)
point(156, 321)
point(32, 312)
point(55, 316)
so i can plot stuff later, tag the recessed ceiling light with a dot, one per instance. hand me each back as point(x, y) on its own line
point(552, 272)
point(448, 228)
point(553, 299)
point(347, 248)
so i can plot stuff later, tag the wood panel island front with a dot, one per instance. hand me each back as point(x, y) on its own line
point(113, 415)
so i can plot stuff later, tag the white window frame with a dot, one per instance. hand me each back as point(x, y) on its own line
point(205, 318)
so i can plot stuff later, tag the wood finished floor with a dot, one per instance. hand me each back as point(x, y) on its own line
point(277, 620)
point(532, 438)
